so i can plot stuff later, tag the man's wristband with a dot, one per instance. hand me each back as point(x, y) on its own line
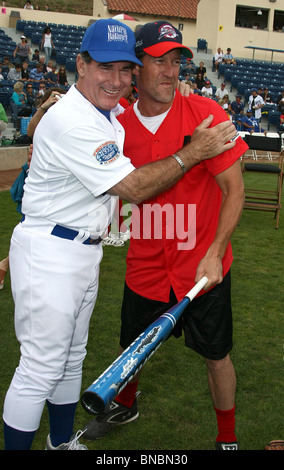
point(180, 162)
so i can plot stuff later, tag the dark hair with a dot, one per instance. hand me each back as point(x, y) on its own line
point(140, 55)
point(47, 94)
point(86, 57)
point(50, 90)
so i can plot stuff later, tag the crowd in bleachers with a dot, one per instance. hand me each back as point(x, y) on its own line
point(241, 74)
point(244, 78)
point(28, 70)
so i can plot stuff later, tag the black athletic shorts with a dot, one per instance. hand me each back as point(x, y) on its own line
point(206, 322)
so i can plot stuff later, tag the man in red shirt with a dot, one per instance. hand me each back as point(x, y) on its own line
point(183, 233)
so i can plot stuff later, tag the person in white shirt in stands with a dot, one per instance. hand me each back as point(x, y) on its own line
point(255, 103)
point(207, 90)
point(218, 58)
point(221, 91)
point(28, 6)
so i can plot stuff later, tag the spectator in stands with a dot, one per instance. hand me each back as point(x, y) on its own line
point(50, 97)
point(41, 89)
point(238, 122)
point(36, 74)
point(280, 96)
point(281, 105)
point(39, 95)
point(42, 62)
point(3, 119)
point(7, 63)
point(47, 43)
point(46, 7)
point(267, 96)
point(281, 125)
point(35, 56)
point(31, 96)
point(49, 66)
point(260, 91)
point(28, 5)
point(25, 74)
point(207, 90)
point(221, 91)
point(225, 104)
point(22, 50)
point(201, 69)
point(218, 58)
point(19, 101)
point(1, 75)
point(199, 81)
point(255, 103)
point(228, 57)
point(51, 77)
point(237, 107)
point(186, 67)
point(250, 123)
point(62, 76)
point(186, 77)
point(15, 73)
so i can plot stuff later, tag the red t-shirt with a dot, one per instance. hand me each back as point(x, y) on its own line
point(167, 242)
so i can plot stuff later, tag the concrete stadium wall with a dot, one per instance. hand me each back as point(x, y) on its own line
point(12, 158)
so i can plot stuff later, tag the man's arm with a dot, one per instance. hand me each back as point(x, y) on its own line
point(153, 178)
point(247, 126)
point(231, 184)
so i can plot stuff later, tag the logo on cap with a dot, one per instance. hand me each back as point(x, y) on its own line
point(116, 33)
point(167, 31)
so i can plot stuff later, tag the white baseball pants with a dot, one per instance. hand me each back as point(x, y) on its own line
point(54, 285)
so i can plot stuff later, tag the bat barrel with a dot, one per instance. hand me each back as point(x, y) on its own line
point(92, 402)
point(123, 369)
point(96, 398)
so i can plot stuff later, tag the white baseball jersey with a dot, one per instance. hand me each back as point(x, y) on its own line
point(72, 166)
point(258, 101)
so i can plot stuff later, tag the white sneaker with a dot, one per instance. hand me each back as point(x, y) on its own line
point(112, 241)
point(73, 444)
point(124, 235)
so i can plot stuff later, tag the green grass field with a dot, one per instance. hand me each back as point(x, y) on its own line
point(176, 411)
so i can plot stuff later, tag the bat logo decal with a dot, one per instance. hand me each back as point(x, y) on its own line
point(150, 338)
point(131, 363)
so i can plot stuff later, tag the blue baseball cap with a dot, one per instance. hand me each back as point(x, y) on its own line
point(109, 40)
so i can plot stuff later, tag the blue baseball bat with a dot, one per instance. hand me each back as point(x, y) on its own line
point(107, 386)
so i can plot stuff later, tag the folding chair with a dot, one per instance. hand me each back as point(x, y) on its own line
point(264, 157)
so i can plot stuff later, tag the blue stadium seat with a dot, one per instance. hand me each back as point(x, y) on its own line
point(202, 45)
point(71, 64)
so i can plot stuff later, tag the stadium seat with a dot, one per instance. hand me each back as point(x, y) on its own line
point(71, 64)
point(202, 45)
point(273, 118)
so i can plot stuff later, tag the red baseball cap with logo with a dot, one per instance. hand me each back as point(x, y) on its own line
point(158, 38)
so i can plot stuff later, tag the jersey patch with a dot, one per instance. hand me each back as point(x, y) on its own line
point(107, 153)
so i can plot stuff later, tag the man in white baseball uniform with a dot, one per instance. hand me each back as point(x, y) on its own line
point(255, 103)
point(77, 172)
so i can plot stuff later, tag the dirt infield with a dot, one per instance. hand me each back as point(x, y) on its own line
point(7, 178)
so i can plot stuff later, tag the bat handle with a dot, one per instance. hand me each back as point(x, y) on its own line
point(197, 288)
